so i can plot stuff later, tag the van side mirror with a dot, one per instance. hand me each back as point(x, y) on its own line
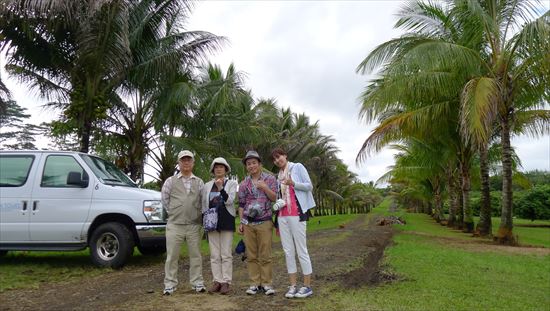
point(75, 179)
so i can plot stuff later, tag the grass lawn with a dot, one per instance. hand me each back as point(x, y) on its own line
point(437, 273)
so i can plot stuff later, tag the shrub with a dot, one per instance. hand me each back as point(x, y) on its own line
point(534, 203)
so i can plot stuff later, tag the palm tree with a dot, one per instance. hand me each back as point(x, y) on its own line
point(94, 48)
point(469, 38)
point(514, 84)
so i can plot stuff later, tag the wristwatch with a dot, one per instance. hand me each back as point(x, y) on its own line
point(244, 221)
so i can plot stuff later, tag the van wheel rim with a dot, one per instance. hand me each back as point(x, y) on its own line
point(107, 246)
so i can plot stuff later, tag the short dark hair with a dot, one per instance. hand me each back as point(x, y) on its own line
point(277, 152)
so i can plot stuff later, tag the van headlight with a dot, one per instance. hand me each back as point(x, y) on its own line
point(153, 211)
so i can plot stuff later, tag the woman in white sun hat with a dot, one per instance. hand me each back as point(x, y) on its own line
point(220, 193)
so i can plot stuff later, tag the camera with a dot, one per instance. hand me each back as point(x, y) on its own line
point(280, 203)
point(254, 210)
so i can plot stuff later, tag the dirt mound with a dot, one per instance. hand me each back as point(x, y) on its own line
point(349, 255)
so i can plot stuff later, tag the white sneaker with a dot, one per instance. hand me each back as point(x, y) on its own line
point(268, 290)
point(169, 291)
point(304, 292)
point(252, 290)
point(199, 288)
point(292, 290)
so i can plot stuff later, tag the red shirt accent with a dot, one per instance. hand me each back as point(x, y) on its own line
point(293, 206)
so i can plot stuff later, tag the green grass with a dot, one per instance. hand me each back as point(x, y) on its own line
point(439, 276)
point(30, 269)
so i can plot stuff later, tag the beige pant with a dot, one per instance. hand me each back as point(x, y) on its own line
point(221, 259)
point(175, 236)
point(257, 239)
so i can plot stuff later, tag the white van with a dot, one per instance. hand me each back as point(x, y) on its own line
point(62, 200)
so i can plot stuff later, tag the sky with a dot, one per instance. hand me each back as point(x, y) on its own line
point(304, 54)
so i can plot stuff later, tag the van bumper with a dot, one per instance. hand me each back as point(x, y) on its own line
point(151, 235)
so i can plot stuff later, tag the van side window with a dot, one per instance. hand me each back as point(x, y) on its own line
point(14, 170)
point(56, 171)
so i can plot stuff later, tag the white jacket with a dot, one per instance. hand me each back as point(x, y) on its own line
point(302, 185)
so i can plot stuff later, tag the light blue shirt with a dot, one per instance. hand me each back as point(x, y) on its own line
point(302, 186)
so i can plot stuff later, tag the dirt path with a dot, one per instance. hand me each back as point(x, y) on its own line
point(348, 256)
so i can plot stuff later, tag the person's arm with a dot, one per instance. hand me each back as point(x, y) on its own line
point(304, 183)
point(229, 192)
point(242, 204)
point(165, 193)
point(201, 188)
point(205, 198)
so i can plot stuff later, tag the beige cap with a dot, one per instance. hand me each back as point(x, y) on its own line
point(186, 153)
point(222, 161)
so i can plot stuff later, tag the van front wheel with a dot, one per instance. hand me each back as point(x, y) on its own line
point(111, 245)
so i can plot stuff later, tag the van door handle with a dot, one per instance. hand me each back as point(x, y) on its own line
point(24, 206)
point(34, 205)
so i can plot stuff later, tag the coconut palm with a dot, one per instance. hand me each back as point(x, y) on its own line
point(94, 47)
point(514, 85)
point(470, 39)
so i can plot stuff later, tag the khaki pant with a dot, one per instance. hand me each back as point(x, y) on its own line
point(175, 236)
point(221, 259)
point(257, 239)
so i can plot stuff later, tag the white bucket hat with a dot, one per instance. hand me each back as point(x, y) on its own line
point(222, 161)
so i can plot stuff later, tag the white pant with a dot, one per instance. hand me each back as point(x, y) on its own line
point(221, 259)
point(293, 240)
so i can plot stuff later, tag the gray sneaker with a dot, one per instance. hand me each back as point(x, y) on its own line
point(292, 290)
point(169, 291)
point(252, 290)
point(199, 288)
point(268, 290)
point(304, 292)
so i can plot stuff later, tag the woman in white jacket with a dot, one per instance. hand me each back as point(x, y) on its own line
point(296, 200)
point(220, 192)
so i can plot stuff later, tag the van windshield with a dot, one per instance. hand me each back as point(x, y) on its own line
point(107, 172)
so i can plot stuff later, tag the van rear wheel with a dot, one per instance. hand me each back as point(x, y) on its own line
point(111, 245)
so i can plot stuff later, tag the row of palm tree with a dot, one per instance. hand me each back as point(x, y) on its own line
point(465, 74)
point(133, 86)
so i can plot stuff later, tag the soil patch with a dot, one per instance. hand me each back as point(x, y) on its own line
point(348, 256)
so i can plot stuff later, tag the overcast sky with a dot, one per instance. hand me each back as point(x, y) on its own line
point(304, 54)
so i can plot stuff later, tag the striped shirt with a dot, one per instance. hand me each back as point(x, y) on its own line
point(249, 195)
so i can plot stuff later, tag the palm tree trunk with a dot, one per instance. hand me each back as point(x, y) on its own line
point(484, 227)
point(460, 206)
point(466, 206)
point(453, 201)
point(85, 137)
point(438, 213)
point(504, 234)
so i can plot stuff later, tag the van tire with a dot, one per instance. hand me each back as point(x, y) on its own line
point(156, 250)
point(111, 245)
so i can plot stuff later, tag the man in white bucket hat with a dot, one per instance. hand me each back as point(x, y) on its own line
point(181, 196)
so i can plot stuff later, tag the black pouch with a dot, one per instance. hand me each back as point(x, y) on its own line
point(303, 217)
